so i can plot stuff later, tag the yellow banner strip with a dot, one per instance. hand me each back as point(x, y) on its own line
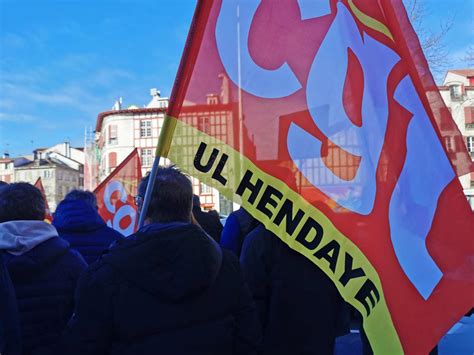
point(369, 21)
point(166, 136)
point(295, 221)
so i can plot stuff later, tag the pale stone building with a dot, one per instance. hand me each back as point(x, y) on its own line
point(458, 94)
point(59, 174)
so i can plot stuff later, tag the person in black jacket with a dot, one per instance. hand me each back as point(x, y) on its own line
point(168, 289)
point(42, 267)
point(209, 221)
point(298, 304)
point(10, 334)
point(77, 221)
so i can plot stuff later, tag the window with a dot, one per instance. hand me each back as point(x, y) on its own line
point(470, 144)
point(147, 157)
point(449, 144)
point(204, 124)
point(212, 99)
point(145, 128)
point(469, 115)
point(47, 174)
point(112, 135)
point(112, 160)
point(204, 189)
point(455, 92)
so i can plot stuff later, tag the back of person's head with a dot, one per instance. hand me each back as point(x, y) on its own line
point(196, 201)
point(21, 201)
point(3, 183)
point(171, 198)
point(86, 196)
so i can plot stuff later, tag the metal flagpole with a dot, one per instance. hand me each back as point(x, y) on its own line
point(149, 189)
point(162, 149)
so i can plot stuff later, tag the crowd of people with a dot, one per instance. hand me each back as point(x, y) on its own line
point(182, 284)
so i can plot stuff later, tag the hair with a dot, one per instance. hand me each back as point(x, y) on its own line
point(196, 201)
point(21, 201)
point(172, 196)
point(86, 196)
point(3, 183)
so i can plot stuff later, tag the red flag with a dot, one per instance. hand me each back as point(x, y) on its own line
point(115, 195)
point(323, 120)
point(48, 216)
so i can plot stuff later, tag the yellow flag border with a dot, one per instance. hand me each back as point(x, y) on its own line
point(378, 324)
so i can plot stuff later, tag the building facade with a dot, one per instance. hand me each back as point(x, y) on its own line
point(7, 170)
point(458, 94)
point(58, 175)
point(120, 131)
point(60, 168)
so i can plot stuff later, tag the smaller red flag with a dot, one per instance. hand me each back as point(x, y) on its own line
point(115, 196)
point(48, 216)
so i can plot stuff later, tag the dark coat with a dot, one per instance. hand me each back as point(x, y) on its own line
point(210, 222)
point(10, 334)
point(44, 279)
point(169, 289)
point(237, 226)
point(298, 304)
point(80, 224)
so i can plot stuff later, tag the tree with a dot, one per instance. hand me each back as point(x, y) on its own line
point(469, 56)
point(432, 42)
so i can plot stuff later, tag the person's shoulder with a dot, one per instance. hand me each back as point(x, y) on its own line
point(112, 232)
point(101, 272)
point(230, 261)
point(75, 258)
point(259, 235)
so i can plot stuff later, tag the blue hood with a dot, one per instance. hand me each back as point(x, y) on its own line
point(76, 215)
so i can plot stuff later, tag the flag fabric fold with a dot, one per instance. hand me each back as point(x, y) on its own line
point(115, 195)
point(323, 121)
point(48, 216)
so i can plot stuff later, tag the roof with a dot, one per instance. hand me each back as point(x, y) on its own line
point(466, 87)
point(463, 72)
point(45, 163)
point(103, 115)
point(6, 160)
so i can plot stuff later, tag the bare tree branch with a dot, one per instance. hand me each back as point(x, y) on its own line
point(469, 56)
point(432, 42)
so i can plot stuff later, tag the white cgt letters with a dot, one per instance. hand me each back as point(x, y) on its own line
point(123, 211)
point(414, 199)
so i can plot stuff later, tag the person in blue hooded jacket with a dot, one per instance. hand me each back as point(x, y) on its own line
point(77, 221)
point(168, 289)
point(42, 267)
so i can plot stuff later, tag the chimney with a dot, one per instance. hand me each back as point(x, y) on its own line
point(37, 157)
point(67, 149)
point(118, 104)
point(225, 89)
point(154, 92)
point(6, 155)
